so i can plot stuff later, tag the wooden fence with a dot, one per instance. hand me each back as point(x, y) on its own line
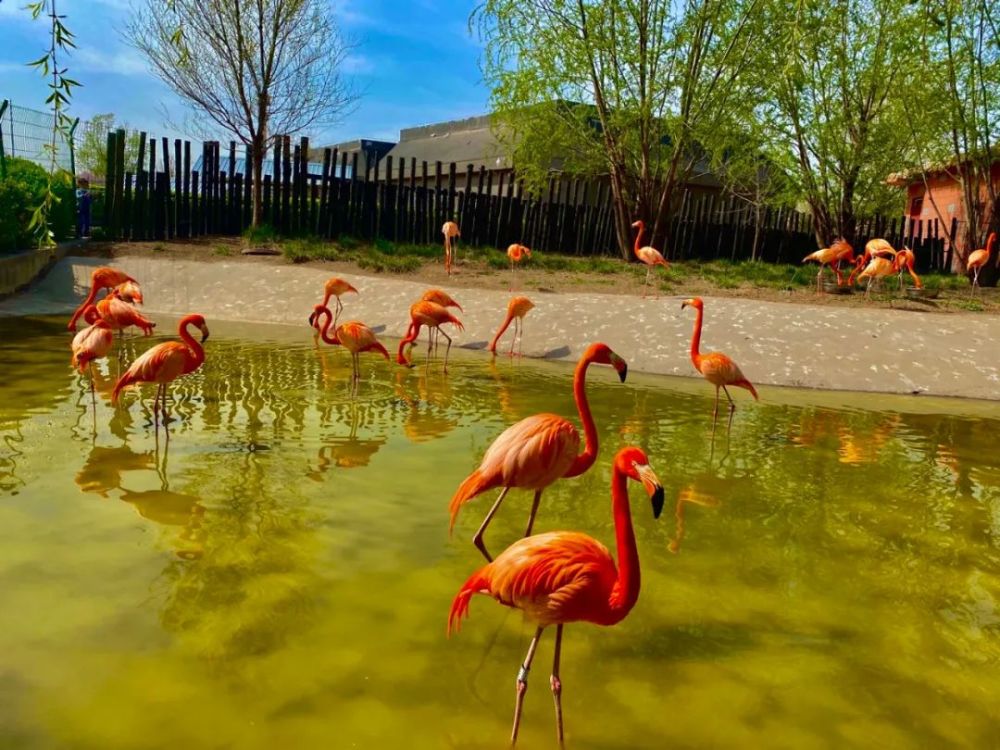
point(162, 198)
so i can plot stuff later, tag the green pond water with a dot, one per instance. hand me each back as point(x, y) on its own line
point(279, 574)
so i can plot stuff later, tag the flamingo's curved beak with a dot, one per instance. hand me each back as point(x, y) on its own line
point(204, 333)
point(312, 318)
point(620, 365)
point(653, 487)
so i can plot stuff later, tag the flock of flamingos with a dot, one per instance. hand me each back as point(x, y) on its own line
point(556, 577)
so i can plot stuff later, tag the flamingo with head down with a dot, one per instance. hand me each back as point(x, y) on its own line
point(517, 308)
point(904, 261)
point(104, 277)
point(450, 230)
point(433, 316)
point(840, 251)
point(876, 248)
point(565, 576)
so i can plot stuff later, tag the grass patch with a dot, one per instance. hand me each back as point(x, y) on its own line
point(222, 250)
point(264, 234)
point(158, 248)
point(972, 305)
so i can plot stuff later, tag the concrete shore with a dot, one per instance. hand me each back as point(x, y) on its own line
point(775, 343)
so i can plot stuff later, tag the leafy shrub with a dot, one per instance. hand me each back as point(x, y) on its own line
point(21, 191)
point(264, 234)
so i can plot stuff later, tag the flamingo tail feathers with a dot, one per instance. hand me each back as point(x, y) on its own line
point(475, 484)
point(460, 605)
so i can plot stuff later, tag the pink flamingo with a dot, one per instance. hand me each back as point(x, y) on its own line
point(354, 336)
point(449, 229)
point(433, 316)
point(517, 253)
point(538, 450)
point(566, 576)
point(93, 342)
point(517, 308)
point(104, 277)
point(335, 287)
point(648, 255)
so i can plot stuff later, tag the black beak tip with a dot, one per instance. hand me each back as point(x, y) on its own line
point(657, 499)
point(312, 318)
point(623, 372)
point(204, 336)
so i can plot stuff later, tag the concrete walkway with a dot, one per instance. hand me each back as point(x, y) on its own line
point(775, 343)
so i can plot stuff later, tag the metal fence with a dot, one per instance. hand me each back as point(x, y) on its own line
point(27, 134)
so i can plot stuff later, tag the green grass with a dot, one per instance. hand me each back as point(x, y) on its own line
point(265, 234)
point(222, 250)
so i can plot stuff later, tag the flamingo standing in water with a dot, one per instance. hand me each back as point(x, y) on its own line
point(978, 259)
point(449, 229)
point(716, 367)
point(335, 287)
point(433, 316)
point(567, 576)
point(441, 297)
point(839, 251)
point(648, 255)
point(130, 292)
point(538, 450)
point(354, 336)
point(165, 363)
point(517, 253)
point(517, 308)
point(119, 315)
point(904, 261)
point(104, 277)
point(93, 342)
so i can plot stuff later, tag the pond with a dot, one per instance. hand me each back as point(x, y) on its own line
point(279, 573)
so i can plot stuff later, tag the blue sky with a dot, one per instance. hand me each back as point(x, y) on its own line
point(415, 62)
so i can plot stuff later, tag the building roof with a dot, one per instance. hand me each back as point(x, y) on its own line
point(243, 168)
point(904, 178)
point(468, 141)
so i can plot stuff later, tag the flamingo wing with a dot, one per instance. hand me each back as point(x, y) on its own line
point(719, 369)
point(93, 342)
point(532, 453)
point(161, 364)
point(650, 256)
point(977, 258)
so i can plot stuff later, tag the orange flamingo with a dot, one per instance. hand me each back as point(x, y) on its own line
point(876, 248)
point(335, 287)
point(832, 256)
point(93, 342)
point(516, 253)
point(354, 336)
point(716, 367)
point(904, 261)
point(441, 297)
point(567, 576)
point(648, 255)
point(449, 229)
point(166, 362)
point(978, 259)
point(877, 268)
point(517, 308)
point(538, 450)
point(104, 277)
point(433, 316)
point(130, 292)
point(119, 315)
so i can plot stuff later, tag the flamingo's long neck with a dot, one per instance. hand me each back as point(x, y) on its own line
point(411, 335)
point(638, 238)
point(696, 338)
point(989, 244)
point(83, 306)
point(328, 318)
point(625, 592)
point(586, 459)
point(504, 327)
point(194, 346)
point(326, 298)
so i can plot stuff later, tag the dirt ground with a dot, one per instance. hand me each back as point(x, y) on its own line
point(471, 273)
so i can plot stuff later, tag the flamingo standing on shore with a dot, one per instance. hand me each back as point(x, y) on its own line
point(877, 268)
point(93, 342)
point(517, 308)
point(449, 229)
point(876, 248)
point(904, 261)
point(538, 450)
point(716, 367)
point(335, 287)
point(433, 316)
point(104, 277)
point(840, 251)
point(567, 576)
point(165, 363)
point(517, 253)
point(648, 255)
point(978, 259)
point(354, 336)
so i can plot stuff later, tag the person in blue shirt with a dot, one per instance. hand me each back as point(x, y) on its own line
point(83, 201)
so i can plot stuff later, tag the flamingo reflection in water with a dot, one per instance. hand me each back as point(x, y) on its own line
point(346, 452)
point(565, 576)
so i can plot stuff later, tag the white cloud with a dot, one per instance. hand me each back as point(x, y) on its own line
point(121, 61)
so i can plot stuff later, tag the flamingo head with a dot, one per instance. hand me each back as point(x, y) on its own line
point(633, 463)
point(198, 321)
point(318, 311)
point(602, 355)
point(638, 224)
point(694, 302)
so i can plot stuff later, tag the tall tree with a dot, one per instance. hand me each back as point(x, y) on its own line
point(92, 148)
point(832, 78)
point(252, 68)
point(615, 87)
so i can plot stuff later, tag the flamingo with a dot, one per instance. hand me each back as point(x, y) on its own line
point(877, 268)
point(335, 287)
point(354, 336)
point(648, 255)
point(516, 253)
point(120, 315)
point(538, 450)
point(104, 277)
point(517, 308)
point(876, 248)
point(433, 316)
point(93, 342)
point(166, 362)
point(441, 297)
point(449, 229)
point(831, 256)
point(978, 259)
point(566, 576)
point(904, 260)
point(130, 292)
point(716, 367)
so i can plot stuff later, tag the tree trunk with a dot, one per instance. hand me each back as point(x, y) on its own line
point(257, 167)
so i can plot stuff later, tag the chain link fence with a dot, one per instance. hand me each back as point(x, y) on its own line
point(27, 134)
